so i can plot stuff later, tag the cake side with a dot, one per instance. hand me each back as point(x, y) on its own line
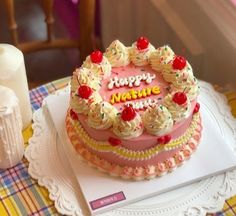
point(121, 155)
point(136, 165)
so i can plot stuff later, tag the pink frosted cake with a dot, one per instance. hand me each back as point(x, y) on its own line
point(133, 110)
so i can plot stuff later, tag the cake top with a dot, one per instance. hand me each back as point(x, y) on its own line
point(131, 89)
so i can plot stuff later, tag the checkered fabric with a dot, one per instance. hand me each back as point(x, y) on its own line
point(21, 195)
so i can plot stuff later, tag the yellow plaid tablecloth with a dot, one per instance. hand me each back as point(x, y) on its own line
point(21, 195)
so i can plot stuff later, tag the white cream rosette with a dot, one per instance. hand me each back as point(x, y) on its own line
point(84, 76)
point(128, 129)
point(81, 105)
point(157, 120)
point(176, 76)
point(102, 69)
point(101, 115)
point(140, 57)
point(117, 54)
point(188, 85)
point(178, 112)
point(160, 59)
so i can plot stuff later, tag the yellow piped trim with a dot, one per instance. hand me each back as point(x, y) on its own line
point(102, 146)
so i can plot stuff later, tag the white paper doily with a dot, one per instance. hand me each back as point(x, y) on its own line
point(47, 164)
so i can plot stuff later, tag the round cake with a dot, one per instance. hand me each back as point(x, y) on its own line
point(133, 110)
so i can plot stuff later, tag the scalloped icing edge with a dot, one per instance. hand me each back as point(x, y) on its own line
point(140, 173)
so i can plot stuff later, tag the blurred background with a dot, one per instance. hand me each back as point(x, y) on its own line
point(203, 31)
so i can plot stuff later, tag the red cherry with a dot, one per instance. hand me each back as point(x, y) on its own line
point(142, 43)
point(128, 113)
point(179, 63)
point(179, 98)
point(114, 141)
point(96, 57)
point(167, 138)
point(73, 115)
point(161, 140)
point(84, 91)
point(164, 139)
point(196, 108)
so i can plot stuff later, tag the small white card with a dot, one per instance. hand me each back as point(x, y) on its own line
point(103, 192)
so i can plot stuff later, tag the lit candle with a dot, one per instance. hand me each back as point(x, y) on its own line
point(11, 140)
point(13, 76)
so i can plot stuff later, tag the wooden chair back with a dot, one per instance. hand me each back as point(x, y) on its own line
point(86, 11)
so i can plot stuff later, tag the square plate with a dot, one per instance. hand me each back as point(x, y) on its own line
point(106, 192)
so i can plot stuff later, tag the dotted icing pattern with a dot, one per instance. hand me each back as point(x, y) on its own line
point(74, 127)
point(161, 56)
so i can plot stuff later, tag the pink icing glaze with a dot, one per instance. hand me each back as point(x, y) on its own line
point(132, 70)
point(145, 140)
point(115, 159)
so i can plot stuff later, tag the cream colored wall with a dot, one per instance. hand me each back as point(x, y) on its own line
point(220, 53)
point(181, 23)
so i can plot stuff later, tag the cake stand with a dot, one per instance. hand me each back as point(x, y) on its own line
point(48, 165)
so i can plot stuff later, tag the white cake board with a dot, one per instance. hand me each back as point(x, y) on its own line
point(213, 156)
